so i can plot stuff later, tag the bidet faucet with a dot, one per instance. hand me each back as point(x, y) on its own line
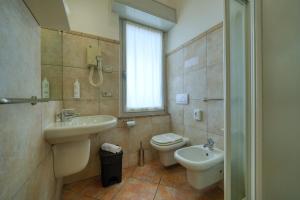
point(67, 114)
point(210, 144)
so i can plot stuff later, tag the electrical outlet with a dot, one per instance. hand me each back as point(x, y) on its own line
point(106, 94)
point(107, 69)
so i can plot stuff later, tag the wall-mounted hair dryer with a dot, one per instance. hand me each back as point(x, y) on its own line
point(94, 62)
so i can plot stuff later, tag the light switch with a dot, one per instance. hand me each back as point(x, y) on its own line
point(182, 99)
point(198, 114)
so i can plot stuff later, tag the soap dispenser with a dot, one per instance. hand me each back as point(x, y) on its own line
point(45, 88)
point(76, 89)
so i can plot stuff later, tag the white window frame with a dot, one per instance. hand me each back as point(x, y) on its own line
point(122, 104)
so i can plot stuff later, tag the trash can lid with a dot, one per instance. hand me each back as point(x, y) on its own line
point(107, 153)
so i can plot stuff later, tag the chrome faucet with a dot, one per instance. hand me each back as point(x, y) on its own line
point(210, 144)
point(67, 115)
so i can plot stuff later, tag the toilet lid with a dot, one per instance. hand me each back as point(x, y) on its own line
point(167, 139)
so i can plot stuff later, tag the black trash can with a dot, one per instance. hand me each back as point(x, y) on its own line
point(111, 167)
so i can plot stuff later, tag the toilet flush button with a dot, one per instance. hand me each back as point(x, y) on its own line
point(182, 99)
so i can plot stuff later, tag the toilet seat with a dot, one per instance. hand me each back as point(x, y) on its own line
point(167, 144)
point(166, 139)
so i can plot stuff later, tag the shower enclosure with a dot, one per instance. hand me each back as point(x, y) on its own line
point(238, 29)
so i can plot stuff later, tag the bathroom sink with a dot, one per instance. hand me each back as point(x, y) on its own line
point(78, 128)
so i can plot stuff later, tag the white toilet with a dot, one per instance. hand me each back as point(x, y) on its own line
point(167, 144)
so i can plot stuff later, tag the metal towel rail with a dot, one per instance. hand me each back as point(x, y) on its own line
point(32, 100)
point(212, 99)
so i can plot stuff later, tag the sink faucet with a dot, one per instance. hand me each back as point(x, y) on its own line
point(210, 144)
point(67, 114)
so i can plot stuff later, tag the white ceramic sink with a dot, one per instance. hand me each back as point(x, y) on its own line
point(78, 128)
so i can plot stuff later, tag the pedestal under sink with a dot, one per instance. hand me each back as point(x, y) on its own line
point(71, 141)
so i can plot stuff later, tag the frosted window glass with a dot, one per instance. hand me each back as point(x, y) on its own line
point(144, 68)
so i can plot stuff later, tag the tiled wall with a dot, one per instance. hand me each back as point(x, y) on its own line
point(65, 55)
point(72, 58)
point(196, 68)
point(26, 166)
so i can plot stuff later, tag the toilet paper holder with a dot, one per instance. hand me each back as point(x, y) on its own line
point(129, 123)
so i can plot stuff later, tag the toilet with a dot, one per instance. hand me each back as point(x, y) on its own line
point(167, 144)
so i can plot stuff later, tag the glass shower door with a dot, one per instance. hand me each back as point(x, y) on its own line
point(237, 64)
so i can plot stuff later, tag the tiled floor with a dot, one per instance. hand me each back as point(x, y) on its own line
point(151, 182)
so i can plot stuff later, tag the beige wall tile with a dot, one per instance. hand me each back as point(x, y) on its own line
point(195, 135)
point(20, 52)
point(176, 117)
point(218, 139)
point(54, 76)
point(175, 86)
point(49, 111)
point(110, 84)
point(109, 107)
point(215, 117)
point(26, 159)
point(21, 141)
point(74, 49)
point(189, 115)
point(42, 184)
point(202, 76)
point(87, 91)
point(195, 55)
point(195, 83)
point(215, 47)
point(215, 81)
point(117, 136)
point(133, 159)
point(175, 64)
point(160, 124)
point(84, 107)
point(142, 131)
point(111, 55)
point(51, 44)
point(175, 74)
point(149, 155)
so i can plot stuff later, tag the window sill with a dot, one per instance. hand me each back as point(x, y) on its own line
point(142, 114)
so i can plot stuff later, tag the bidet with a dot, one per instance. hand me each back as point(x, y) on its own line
point(204, 165)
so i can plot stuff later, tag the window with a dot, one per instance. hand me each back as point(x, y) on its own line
point(142, 69)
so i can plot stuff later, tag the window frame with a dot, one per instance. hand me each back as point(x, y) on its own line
point(123, 71)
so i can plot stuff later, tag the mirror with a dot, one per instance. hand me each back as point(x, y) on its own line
point(51, 64)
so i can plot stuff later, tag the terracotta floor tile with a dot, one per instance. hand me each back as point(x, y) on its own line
point(152, 181)
point(151, 172)
point(85, 198)
point(95, 189)
point(127, 172)
point(137, 190)
point(77, 186)
point(169, 193)
point(69, 195)
point(213, 194)
point(176, 177)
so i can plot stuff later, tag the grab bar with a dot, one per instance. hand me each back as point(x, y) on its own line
point(213, 99)
point(33, 100)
